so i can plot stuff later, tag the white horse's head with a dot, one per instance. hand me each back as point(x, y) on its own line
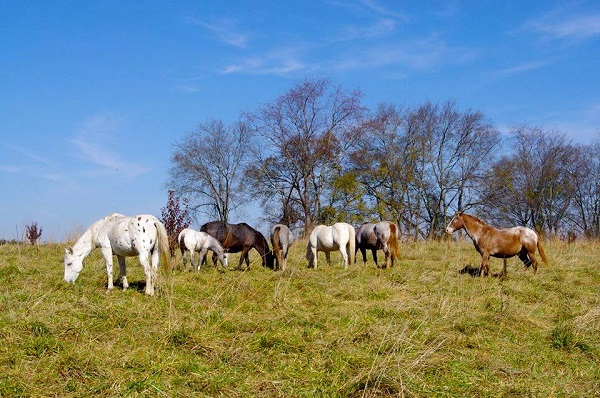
point(73, 265)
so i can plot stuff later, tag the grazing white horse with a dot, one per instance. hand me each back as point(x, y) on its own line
point(340, 236)
point(143, 236)
point(193, 241)
point(281, 239)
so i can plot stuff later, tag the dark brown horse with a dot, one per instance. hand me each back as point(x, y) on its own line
point(237, 238)
point(500, 243)
point(380, 236)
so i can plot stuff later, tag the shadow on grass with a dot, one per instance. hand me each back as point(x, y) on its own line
point(470, 270)
point(475, 271)
point(139, 286)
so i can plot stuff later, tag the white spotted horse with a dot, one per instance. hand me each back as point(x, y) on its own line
point(143, 236)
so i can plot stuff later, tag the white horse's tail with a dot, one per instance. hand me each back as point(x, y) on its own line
point(351, 244)
point(163, 245)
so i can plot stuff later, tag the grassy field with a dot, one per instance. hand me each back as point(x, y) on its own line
point(418, 329)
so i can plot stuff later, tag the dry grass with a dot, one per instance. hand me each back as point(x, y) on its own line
point(418, 329)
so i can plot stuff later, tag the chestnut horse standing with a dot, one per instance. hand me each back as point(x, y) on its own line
point(500, 243)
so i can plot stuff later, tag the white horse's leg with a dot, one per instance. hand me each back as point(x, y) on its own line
point(201, 256)
point(148, 271)
point(192, 252)
point(123, 270)
point(183, 255)
point(344, 255)
point(315, 254)
point(328, 257)
point(108, 258)
point(154, 269)
point(386, 254)
point(284, 258)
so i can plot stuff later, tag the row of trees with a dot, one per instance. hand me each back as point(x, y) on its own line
point(317, 155)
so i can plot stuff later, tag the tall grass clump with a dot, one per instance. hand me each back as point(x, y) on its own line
point(421, 328)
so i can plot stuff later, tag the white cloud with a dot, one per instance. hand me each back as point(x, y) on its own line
point(420, 55)
point(379, 28)
point(226, 31)
point(9, 169)
point(520, 68)
point(34, 157)
point(278, 62)
point(94, 144)
point(574, 27)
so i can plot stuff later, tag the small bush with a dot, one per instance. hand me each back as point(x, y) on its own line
point(175, 218)
point(33, 233)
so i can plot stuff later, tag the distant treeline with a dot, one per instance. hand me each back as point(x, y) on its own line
point(317, 155)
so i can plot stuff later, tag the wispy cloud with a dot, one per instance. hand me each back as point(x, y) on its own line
point(376, 30)
point(275, 62)
point(520, 68)
point(188, 88)
point(570, 27)
point(9, 169)
point(372, 6)
point(92, 144)
point(33, 157)
point(416, 55)
point(226, 30)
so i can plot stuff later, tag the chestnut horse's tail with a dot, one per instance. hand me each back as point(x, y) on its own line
point(393, 241)
point(163, 244)
point(541, 251)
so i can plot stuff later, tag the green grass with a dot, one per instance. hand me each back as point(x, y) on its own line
point(418, 329)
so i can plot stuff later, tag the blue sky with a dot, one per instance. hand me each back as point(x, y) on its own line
point(95, 94)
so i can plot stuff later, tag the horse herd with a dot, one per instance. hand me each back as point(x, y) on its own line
point(146, 237)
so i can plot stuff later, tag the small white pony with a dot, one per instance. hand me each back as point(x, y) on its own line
point(143, 236)
point(193, 241)
point(340, 236)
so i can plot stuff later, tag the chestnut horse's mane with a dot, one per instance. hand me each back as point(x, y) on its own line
point(476, 218)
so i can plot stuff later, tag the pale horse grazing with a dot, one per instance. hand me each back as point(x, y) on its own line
point(143, 236)
point(281, 239)
point(340, 236)
point(192, 241)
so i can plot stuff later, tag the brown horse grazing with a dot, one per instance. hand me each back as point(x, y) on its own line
point(237, 238)
point(380, 236)
point(500, 243)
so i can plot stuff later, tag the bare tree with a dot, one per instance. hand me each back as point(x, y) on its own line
point(207, 168)
point(445, 152)
point(532, 186)
point(383, 162)
point(303, 136)
point(585, 175)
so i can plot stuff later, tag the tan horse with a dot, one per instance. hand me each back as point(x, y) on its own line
point(500, 243)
